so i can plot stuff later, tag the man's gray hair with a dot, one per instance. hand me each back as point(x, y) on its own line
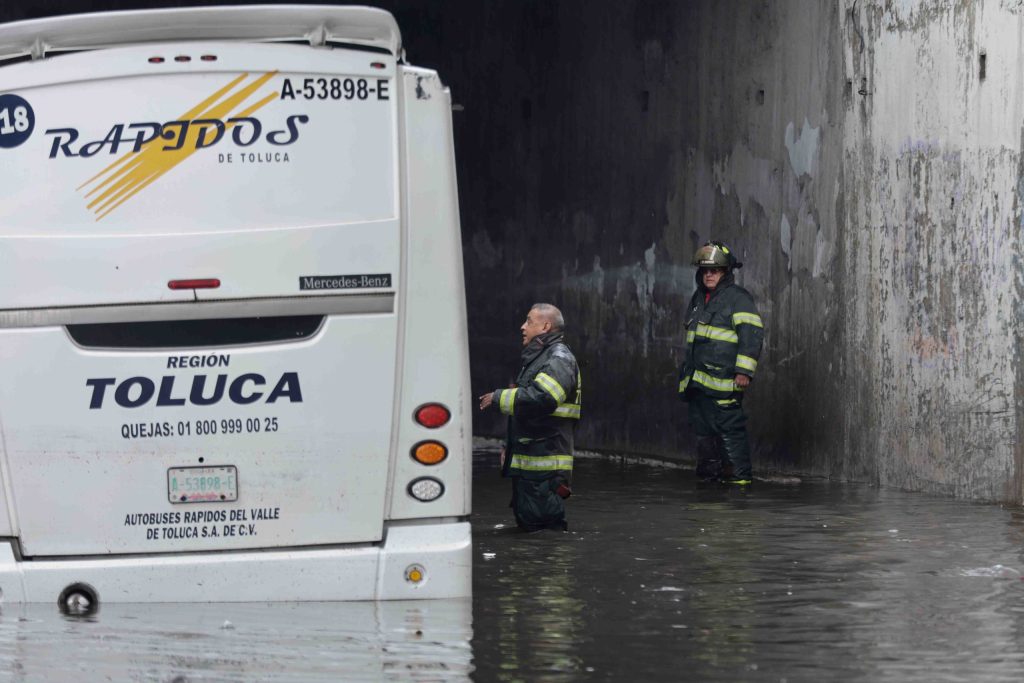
point(553, 315)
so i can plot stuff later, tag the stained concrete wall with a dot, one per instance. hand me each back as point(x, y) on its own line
point(931, 245)
point(852, 154)
point(849, 150)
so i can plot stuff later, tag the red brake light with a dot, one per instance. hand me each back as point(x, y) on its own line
point(156, 60)
point(378, 65)
point(433, 415)
point(204, 283)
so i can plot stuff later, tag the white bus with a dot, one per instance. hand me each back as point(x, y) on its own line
point(233, 345)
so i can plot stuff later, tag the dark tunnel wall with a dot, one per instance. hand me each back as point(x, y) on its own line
point(599, 143)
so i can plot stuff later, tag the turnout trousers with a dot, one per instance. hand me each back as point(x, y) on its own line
point(723, 449)
point(536, 503)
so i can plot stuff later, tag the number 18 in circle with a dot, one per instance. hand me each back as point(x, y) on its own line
point(17, 120)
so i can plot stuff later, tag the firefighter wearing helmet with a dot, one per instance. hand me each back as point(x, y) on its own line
point(724, 334)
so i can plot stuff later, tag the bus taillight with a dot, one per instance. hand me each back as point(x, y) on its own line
point(433, 415)
point(426, 489)
point(429, 452)
point(202, 283)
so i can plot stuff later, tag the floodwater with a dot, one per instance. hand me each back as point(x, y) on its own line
point(663, 579)
point(300, 642)
point(658, 579)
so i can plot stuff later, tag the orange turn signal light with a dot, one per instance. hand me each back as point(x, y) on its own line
point(429, 452)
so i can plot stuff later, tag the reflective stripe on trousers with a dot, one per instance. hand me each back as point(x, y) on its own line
point(541, 463)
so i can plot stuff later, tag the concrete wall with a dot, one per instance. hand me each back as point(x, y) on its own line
point(849, 150)
point(931, 254)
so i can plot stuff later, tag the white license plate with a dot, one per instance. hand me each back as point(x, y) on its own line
point(202, 484)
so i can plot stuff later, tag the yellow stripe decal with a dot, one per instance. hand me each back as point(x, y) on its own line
point(682, 383)
point(135, 171)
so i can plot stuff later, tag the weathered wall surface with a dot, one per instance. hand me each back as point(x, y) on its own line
point(932, 164)
point(853, 155)
point(849, 150)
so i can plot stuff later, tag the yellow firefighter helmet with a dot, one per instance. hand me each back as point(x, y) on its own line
point(715, 255)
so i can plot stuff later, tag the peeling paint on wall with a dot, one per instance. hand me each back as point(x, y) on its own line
point(822, 254)
point(747, 176)
point(1012, 6)
point(803, 149)
point(786, 237)
point(644, 277)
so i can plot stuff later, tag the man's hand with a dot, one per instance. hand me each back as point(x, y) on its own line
point(742, 381)
point(486, 400)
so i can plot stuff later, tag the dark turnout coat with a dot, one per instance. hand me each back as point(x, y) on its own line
point(723, 338)
point(543, 407)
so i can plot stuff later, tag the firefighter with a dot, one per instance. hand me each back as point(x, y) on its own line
point(723, 341)
point(543, 408)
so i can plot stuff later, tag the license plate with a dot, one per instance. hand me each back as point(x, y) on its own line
point(202, 484)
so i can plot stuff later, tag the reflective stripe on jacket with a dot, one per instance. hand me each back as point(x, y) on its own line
point(543, 408)
point(723, 338)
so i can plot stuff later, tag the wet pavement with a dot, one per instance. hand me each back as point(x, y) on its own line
point(658, 579)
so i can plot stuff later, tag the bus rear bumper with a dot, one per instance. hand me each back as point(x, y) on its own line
point(439, 555)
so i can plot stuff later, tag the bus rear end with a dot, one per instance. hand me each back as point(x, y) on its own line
point(232, 315)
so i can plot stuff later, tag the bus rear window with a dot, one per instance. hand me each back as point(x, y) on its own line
point(172, 334)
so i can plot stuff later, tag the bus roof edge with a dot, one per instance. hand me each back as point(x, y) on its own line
point(317, 24)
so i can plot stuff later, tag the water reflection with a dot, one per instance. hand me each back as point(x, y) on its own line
point(419, 641)
point(661, 578)
point(540, 613)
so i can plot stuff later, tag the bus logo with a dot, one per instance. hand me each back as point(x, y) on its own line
point(157, 148)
